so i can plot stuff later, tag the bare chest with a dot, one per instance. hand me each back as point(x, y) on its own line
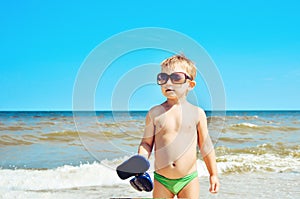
point(170, 124)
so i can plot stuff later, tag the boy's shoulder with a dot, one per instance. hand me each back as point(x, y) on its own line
point(196, 108)
point(197, 111)
point(157, 110)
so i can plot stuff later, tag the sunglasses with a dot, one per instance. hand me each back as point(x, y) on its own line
point(176, 78)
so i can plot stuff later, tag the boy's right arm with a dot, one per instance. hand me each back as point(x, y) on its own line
point(147, 141)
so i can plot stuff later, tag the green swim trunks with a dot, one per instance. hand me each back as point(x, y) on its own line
point(175, 185)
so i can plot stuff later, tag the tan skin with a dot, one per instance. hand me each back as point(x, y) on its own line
point(174, 129)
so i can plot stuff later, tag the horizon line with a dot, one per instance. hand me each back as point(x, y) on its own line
point(137, 110)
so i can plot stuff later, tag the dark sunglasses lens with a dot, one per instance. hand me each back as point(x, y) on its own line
point(162, 78)
point(178, 78)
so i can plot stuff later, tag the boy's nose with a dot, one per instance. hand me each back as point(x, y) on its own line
point(169, 82)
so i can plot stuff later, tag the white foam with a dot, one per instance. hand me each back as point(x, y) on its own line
point(245, 124)
point(60, 178)
point(97, 174)
point(243, 163)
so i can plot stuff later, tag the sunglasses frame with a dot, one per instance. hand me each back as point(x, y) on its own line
point(170, 77)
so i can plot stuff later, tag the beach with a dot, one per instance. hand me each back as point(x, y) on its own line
point(61, 154)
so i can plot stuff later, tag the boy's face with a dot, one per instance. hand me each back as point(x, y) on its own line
point(176, 91)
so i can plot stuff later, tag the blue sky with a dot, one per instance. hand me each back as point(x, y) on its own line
point(255, 45)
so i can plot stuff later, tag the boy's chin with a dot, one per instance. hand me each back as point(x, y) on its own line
point(171, 97)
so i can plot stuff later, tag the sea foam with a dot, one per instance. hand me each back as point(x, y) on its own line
point(65, 177)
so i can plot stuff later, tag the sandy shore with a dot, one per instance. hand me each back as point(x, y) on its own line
point(234, 186)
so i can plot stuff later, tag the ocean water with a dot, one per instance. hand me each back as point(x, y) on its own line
point(74, 155)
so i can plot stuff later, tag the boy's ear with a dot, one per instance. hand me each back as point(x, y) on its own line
point(192, 84)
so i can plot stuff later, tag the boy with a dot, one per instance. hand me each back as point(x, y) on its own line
point(174, 129)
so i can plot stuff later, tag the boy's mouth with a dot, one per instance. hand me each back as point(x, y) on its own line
point(168, 90)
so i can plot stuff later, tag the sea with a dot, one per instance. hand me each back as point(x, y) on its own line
point(65, 154)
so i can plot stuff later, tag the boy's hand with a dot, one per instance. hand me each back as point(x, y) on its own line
point(214, 184)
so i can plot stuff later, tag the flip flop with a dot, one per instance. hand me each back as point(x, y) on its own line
point(134, 185)
point(134, 166)
point(142, 183)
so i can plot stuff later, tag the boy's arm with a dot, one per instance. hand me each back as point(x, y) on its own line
point(147, 141)
point(207, 150)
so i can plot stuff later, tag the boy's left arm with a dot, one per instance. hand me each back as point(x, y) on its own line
point(208, 153)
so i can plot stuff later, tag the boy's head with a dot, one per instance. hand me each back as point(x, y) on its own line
point(180, 72)
point(180, 61)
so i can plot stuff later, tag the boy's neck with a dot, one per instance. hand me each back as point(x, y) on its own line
point(172, 102)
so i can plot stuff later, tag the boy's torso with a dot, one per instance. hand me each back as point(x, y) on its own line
point(176, 141)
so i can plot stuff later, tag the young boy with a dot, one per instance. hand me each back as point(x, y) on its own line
point(174, 129)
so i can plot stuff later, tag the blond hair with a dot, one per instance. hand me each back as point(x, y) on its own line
point(181, 61)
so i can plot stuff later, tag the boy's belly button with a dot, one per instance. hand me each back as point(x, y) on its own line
point(173, 164)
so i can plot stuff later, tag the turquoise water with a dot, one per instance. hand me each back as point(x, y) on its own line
point(53, 154)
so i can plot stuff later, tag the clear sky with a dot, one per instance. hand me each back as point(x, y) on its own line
point(254, 44)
